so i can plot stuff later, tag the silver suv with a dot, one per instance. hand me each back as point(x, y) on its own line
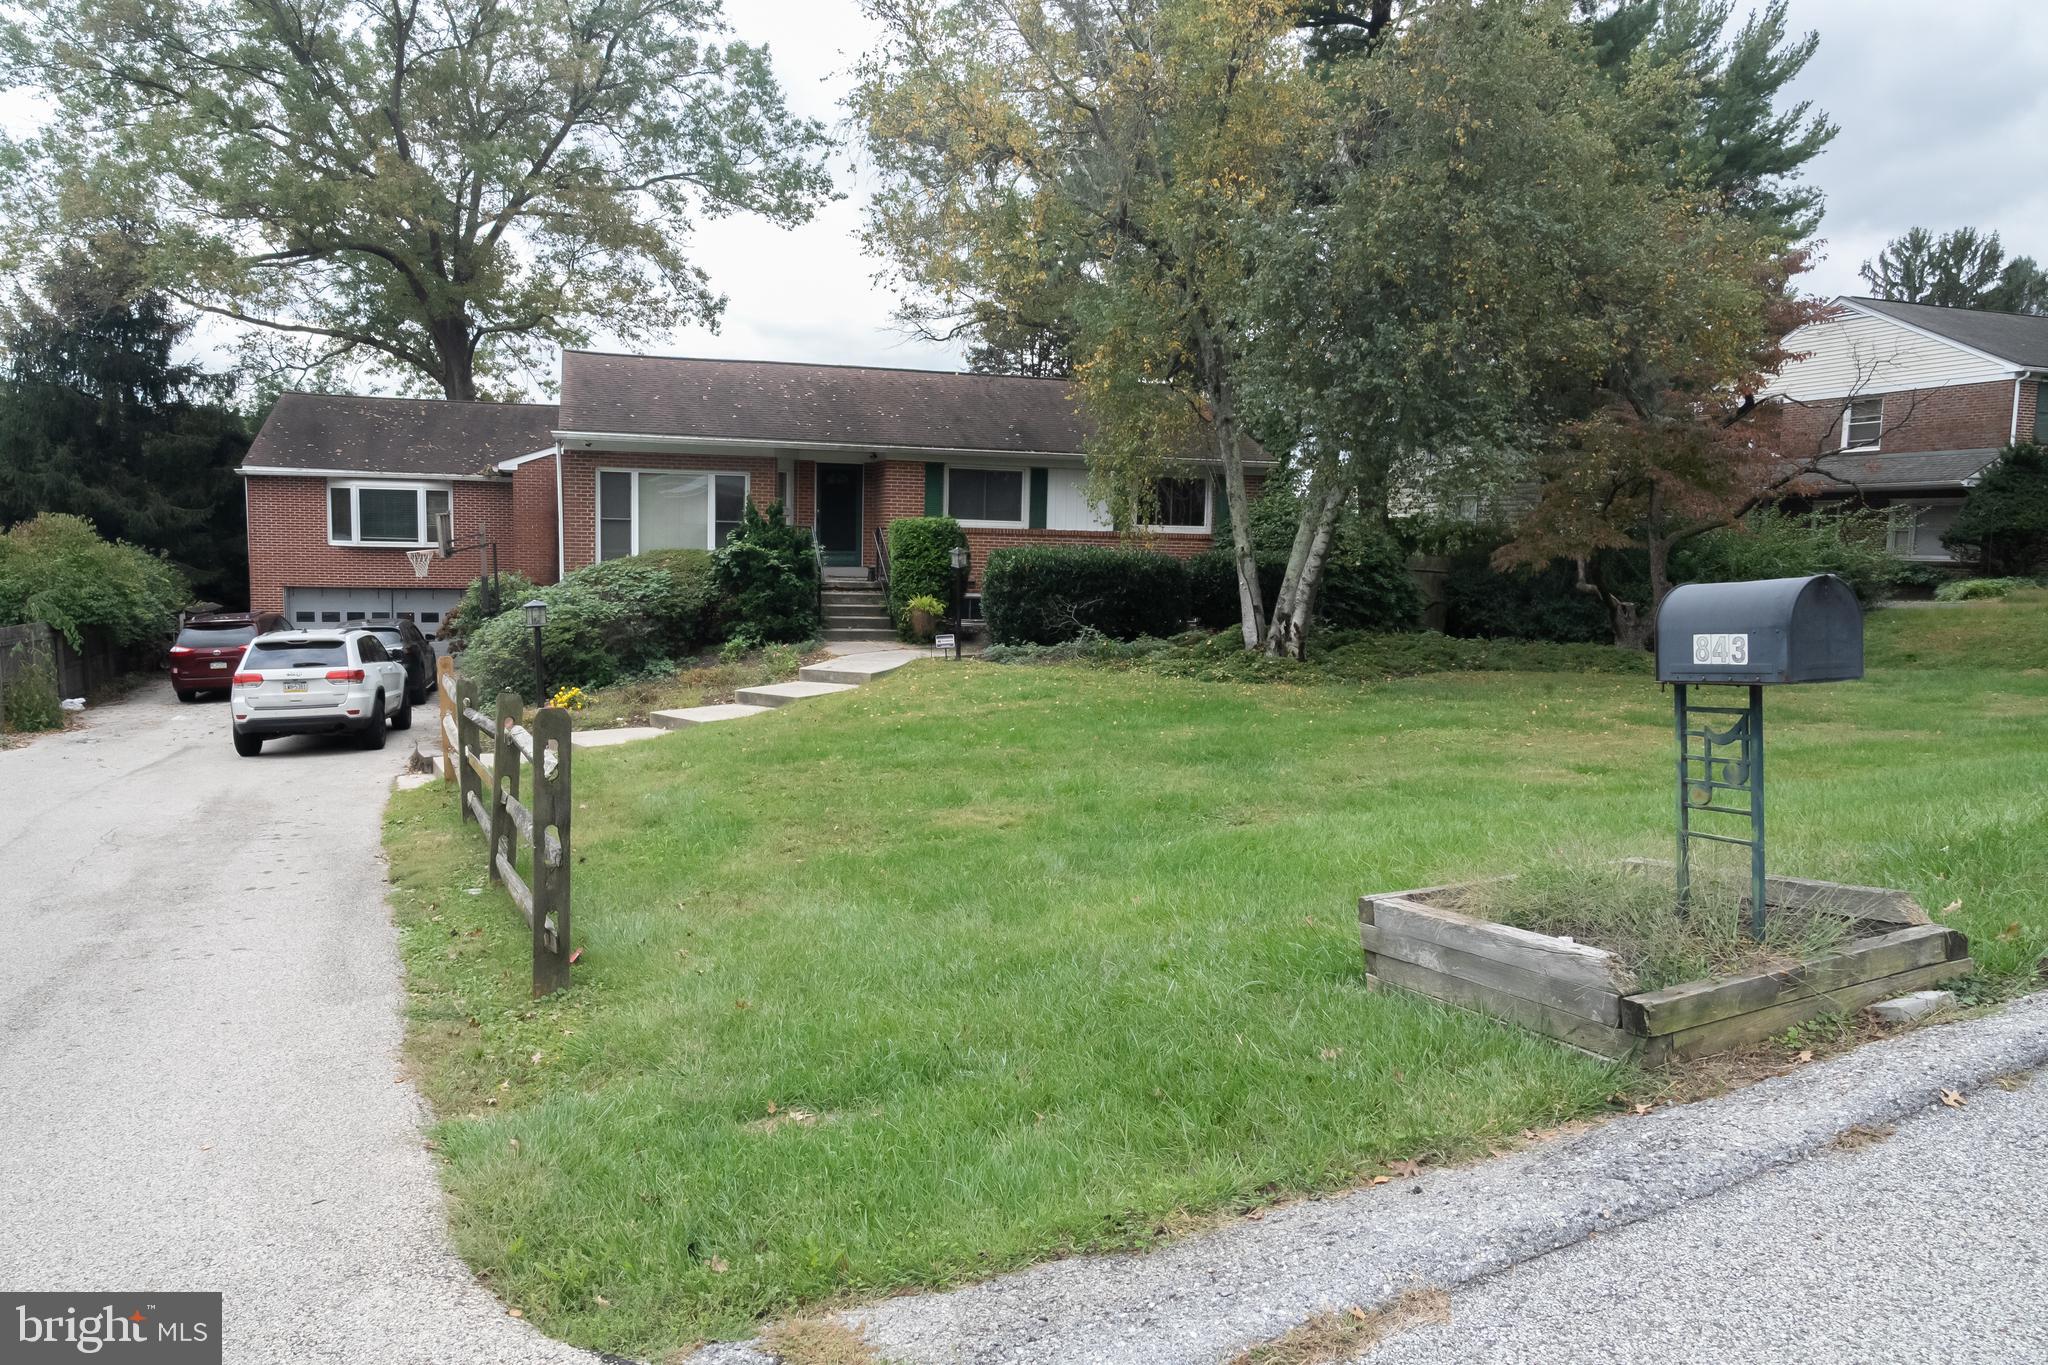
point(318, 682)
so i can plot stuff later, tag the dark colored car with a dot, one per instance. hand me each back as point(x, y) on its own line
point(404, 642)
point(204, 656)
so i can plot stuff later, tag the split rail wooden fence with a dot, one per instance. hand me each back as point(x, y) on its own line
point(488, 783)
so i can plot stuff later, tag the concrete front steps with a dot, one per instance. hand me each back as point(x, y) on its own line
point(856, 610)
point(782, 694)
point(704, 715)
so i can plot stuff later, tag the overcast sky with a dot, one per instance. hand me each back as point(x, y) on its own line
point(1942, 107)
point(1943, 113)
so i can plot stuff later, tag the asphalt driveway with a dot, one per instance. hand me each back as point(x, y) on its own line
point(199, 1034)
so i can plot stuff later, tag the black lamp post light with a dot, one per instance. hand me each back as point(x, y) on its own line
point(537, 617)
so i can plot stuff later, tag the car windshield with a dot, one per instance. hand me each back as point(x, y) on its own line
point(390, 635)
point(295, 654)
point(216, 637)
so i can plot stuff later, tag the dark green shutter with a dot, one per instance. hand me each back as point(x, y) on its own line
point(1041, 481)
point(935, 490)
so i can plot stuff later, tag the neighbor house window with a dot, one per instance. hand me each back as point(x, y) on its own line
point(1863, 423)
point(366, 513)
point(639, 510)
point(1183, 504)
point(1916, 529)
point(986, 497)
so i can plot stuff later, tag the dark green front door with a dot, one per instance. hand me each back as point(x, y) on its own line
point(839, 512)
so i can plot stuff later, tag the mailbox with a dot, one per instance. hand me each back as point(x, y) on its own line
point(1774, 630)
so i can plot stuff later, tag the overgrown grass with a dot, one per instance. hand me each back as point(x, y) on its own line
point(1582, 897)
point(975, 966)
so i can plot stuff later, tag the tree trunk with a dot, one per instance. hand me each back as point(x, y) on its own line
point(1223, 421)
point(1287, 636)
point(455, 350)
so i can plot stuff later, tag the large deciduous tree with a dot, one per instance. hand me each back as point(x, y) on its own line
point(443, 188)
point(1133, 139)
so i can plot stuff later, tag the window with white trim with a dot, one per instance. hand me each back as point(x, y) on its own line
point(639, 510)
point(1181, 504)
point(985, 497)
point(376, 512)
point(1863, 423)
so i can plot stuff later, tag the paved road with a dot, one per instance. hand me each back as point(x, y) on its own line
point(1928, 1245)
point(199, 1037)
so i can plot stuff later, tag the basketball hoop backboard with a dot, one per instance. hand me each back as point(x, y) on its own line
point(444, 534)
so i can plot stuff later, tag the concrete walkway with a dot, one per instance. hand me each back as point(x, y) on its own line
point(1688, 1234)
point(199, 1044)
point(838, 674)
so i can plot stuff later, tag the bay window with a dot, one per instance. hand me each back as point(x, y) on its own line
point(369, 512)
point(639, 510)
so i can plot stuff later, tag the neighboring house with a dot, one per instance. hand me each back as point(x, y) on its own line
point(647, 453)
point(1914, 402)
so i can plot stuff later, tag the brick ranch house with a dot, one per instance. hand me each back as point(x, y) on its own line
point(1915, 401)
point(648, 452)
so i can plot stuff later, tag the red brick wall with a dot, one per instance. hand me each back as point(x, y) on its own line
point(579, 488)
point(902, 495)
point(1959, 417)
point(532, 550)
point(288, 541)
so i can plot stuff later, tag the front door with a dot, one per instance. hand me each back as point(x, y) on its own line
point(839, 512)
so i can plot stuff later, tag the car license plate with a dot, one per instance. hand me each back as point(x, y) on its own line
point(294, 685)
point(217, 664)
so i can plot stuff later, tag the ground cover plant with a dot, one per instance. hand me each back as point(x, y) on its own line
point(979, 965)
point(704, 681)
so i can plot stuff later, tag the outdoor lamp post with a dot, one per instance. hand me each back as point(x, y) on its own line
point(536, 617)
point(959, 558)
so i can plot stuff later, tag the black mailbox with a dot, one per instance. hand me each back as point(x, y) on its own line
point(1773, 630)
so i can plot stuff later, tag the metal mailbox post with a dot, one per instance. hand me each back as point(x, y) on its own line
point(1755, 635)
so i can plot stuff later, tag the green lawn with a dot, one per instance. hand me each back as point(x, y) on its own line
point(978, 965)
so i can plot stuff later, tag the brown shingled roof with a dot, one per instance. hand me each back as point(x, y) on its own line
point(408, 436)
point(854, 405)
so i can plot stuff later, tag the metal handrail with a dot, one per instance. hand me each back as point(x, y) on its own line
point(818, 587)
point(882, 559)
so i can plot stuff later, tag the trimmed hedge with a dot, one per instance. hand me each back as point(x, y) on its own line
point(1366, 586)
point(617, 619)
point(921, 561)
point(1042, 595)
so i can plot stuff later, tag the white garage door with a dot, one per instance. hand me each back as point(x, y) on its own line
point(336, 606)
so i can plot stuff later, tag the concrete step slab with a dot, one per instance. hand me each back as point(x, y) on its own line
point(704, 715)
point(605, 739)
point(859, 668)
point(782, 694)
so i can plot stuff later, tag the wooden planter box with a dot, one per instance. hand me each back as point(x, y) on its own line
point(1579, 995)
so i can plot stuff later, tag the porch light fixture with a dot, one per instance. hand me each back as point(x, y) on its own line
point(959, 557)
point(536, 617)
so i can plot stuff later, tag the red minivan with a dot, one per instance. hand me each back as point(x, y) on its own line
point(206, 652)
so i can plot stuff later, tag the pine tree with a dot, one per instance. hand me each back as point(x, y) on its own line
point(1963, 268)
point(99, 419)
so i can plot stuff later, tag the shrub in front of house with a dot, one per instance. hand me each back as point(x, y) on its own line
point(28, 696)
point(476, 606)
point(768, 572)
point(612, 620)
point(1486, 603)
point(2004, 522)
point(58, 570)
point(1041, 595)
point(921, 561)
point(1366, 585)
point(1773, 544)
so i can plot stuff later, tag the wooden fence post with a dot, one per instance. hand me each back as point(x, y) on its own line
point(469, 793)
point(551, 856)
point(504, 782)
point(446, 710)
